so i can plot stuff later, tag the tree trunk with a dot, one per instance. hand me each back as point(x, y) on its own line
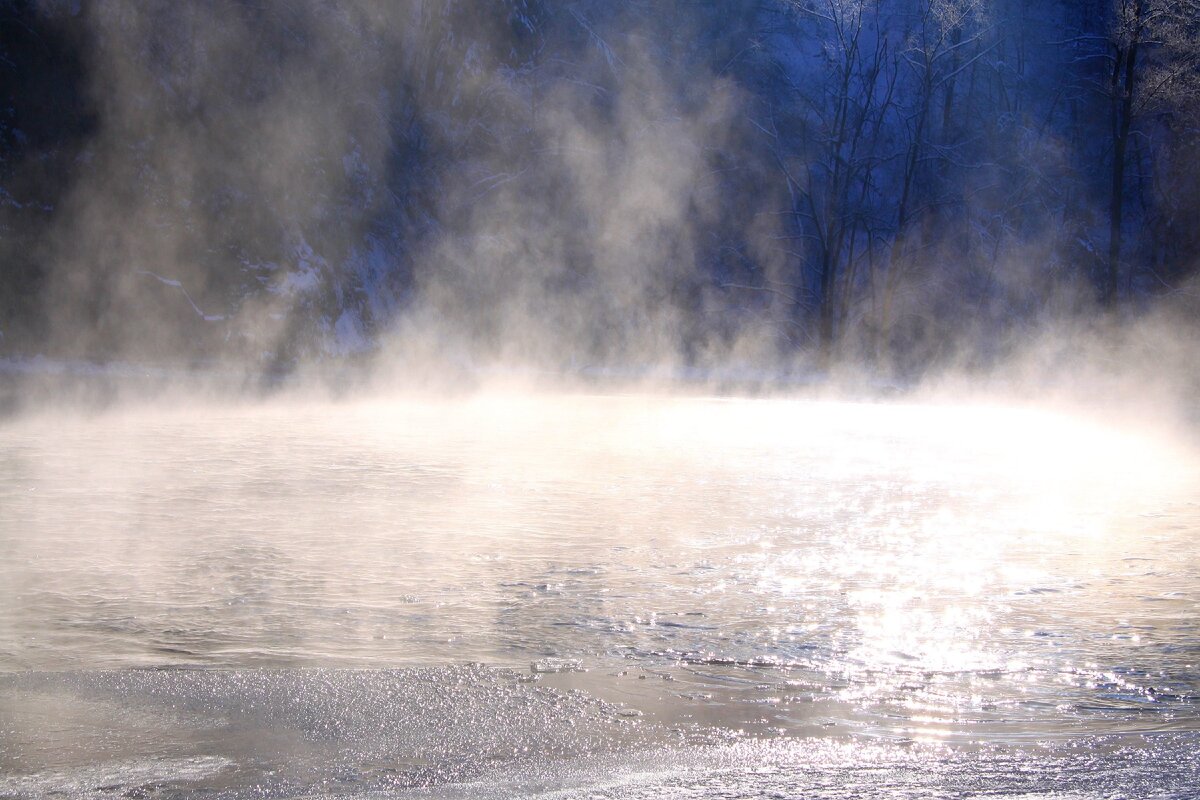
point(1124, 74)
point(892, 278)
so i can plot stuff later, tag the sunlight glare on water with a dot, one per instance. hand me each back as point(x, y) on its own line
point(775, 565)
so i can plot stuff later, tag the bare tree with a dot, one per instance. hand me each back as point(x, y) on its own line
point(832, 172)
point(945, 30)
point(1153, 50)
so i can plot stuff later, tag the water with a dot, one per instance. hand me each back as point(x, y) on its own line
point(954, 599)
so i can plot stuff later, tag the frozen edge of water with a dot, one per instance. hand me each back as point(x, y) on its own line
point(473, 731)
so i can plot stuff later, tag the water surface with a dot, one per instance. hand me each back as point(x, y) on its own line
point(931, 576)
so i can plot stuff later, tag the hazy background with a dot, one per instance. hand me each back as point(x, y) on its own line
point(901, 189)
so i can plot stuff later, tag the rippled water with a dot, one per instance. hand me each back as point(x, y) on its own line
point(975, 576)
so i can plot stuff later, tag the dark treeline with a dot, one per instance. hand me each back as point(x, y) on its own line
point(890, 183)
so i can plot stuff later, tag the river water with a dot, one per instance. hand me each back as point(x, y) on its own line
point(569, 595)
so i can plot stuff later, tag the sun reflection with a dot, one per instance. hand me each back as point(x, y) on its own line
point(982, 512)
point(927, 564)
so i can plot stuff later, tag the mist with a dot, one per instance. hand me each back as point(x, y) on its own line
point(790, 195)
point(614, 398)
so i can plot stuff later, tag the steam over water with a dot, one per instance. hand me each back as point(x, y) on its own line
point(872, 584)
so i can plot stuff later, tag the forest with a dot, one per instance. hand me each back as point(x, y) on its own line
point(592, 184)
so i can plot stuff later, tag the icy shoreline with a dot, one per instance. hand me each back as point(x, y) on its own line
point(474, 731)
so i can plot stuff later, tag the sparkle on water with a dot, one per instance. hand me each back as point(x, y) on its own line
point(967, 574)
